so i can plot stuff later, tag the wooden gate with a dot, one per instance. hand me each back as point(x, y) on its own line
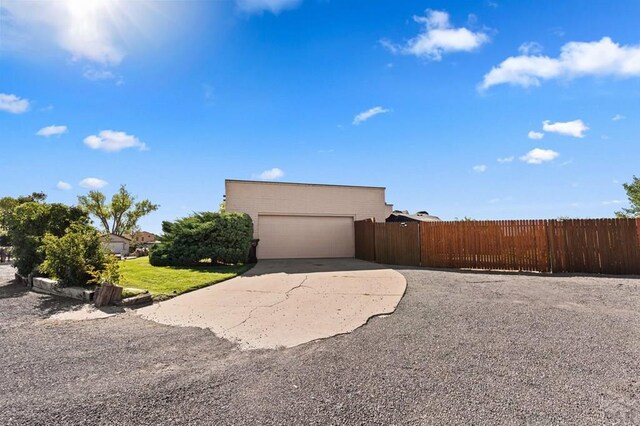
point(365, 240)
point(398, 243)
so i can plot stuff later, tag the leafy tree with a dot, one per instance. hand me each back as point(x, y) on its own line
point(7, 204)
point(28, 223)
point(119, 217)
point(633, 192)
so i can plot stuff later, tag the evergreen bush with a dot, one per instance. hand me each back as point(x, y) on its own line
point(216, 237)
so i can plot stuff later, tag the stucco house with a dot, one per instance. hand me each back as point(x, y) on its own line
point(117, 244)
point(143, 238)
point(301, 220)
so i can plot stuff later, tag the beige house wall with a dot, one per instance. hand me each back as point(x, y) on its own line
point(116, 244)
point(277, 198)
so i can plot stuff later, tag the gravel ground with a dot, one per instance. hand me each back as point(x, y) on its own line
point(461, 348)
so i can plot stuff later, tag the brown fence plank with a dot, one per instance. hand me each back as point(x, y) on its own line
point(364, 231)
point(610, 246)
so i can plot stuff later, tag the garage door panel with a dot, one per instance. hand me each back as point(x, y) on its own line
point(283, 237)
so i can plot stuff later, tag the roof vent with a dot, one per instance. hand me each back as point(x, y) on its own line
point(422, 213)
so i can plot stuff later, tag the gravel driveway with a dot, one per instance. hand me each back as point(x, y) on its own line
point(461, 348)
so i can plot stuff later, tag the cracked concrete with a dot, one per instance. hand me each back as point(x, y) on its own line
point(284, 303)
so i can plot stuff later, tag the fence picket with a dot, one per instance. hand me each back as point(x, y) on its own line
point(607, 246)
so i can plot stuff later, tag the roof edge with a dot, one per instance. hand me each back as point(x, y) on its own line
point(302, 184)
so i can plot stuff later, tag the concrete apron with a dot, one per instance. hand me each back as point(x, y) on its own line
point(284, 303)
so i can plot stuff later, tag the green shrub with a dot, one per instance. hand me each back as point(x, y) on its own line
point(218, 237)
point(109, 274)
point(27, 225)
point(74, 258)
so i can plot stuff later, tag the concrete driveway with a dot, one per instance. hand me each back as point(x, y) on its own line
point(284, 303)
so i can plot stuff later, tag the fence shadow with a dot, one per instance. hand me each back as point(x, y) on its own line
point(309, 266)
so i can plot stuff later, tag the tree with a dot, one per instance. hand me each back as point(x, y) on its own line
point(633, 192)
point(29, 222)
point(121, 216)
point(8, 204)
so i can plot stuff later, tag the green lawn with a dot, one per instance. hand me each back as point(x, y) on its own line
point(167, 281)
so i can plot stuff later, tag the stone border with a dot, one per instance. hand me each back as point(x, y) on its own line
point(140, 299)
point(48, 286)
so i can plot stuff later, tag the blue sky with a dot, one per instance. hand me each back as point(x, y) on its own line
point(486, 109)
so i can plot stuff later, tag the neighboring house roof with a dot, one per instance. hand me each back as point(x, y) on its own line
point(137, 236)
point(112, 237)
point(404, 216)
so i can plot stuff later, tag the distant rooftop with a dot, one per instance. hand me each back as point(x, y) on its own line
point(404, 215)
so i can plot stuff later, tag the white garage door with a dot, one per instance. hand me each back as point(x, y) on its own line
point(288, 237)
point(116, 247)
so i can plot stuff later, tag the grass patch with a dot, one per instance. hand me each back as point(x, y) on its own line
point(168, 281)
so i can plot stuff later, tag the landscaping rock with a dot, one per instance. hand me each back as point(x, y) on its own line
point(48, 286)
point(140, 299)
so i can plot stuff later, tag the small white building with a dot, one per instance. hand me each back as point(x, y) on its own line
point(300, 220)
point(117, 244)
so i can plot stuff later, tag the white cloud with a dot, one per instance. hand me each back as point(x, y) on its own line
point(92, 183)
point(52, 131)
point(438, 37)
point(506, 159)
point(273, 6)
point(606, 203)
point(535, 135)
point(13, 104)
point(618, 117)
point(539, 156)
point(480, 168)
point(530, 48)
point(598, 58)
point(271, 174)
point(364, 116)
point(94, 74)
point(63, 186)
point(85, 29)
point(575, 128)
point(500, 200)
point(112, 141)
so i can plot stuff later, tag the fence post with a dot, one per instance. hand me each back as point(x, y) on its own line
point(551, 244)
point(375, 252)
point(420, 243)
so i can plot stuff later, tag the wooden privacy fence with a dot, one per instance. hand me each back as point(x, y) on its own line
point(605, 246)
